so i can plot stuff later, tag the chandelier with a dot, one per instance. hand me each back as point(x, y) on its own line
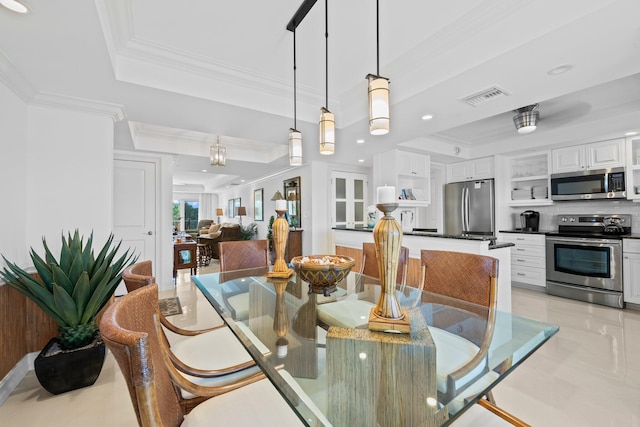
point(218, 155)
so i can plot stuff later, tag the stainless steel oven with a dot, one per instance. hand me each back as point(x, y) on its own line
point(584, 258)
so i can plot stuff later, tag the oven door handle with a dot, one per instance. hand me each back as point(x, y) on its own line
point(584, 241)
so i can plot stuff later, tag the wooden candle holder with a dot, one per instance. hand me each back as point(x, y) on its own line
point(280, 232)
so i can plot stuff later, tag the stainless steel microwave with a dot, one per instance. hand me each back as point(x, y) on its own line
point(589, 184)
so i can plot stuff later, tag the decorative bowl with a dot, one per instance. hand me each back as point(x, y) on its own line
point(322, 272)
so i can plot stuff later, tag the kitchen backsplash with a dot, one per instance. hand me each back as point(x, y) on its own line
point(548, 213)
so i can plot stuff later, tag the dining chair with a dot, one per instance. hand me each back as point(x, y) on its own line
point(370, 263)
point(130, 328)
point(240, 255)
point(352, 311)
point(462, 364)
point(141, 274)
point(197, 352)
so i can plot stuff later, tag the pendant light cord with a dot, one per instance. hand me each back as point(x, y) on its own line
point(378, 38)
point(294, 81)
point(326, 38)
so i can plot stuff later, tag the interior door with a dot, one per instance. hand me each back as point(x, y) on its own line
point(134, 216)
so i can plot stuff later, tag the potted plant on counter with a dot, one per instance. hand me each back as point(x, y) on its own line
point(72, 290)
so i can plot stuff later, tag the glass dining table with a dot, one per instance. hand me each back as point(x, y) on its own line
point(334, 371)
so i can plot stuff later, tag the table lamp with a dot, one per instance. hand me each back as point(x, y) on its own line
point(219, 213)
point(242, 211)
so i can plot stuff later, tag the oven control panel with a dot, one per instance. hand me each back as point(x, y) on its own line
point(597, 220)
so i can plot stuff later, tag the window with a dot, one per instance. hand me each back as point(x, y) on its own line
point(185, 214)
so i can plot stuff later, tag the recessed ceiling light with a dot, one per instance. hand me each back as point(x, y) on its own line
point(360, 141)
point(204, 170)
point(242, 180)
point(14, 5)
point(427, 117)
point(631, 133)
point(361, 160)
point(560, 69)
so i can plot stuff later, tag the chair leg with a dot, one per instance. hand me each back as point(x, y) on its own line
point(502, 413)
point(490, 397)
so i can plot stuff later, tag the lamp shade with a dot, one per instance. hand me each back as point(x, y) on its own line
point(277, 196)
point(327, 132)
point(242, 211)
point(219, 212)
point(378, 105)
point(295, 147)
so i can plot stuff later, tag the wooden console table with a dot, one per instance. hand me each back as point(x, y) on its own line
point(185, 256)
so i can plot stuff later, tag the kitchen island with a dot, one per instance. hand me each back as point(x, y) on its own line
point(348, 241)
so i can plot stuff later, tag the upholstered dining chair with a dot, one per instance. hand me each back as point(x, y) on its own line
point(240, 255)
point(141, 274)
point(470, 278)
point(130, 329)
point(197, 352)
point(353, 312)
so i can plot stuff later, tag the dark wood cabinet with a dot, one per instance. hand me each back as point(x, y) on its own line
point(294, 245)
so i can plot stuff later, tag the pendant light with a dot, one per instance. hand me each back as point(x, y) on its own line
point(218, 155)
point(327, 121)
point(295, 136)
point(379, 121)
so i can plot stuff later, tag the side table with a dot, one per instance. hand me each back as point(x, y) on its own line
point(185, 256)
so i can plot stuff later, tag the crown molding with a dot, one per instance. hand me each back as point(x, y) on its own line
point(63, 102)
point(10, 76)
point(186, 142)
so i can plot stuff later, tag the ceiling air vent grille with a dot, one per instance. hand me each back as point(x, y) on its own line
point(485, 95)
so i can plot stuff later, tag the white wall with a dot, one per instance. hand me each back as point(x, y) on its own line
point(13, 178)
point(70, 175)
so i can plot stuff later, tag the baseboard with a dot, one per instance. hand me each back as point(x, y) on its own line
point(15, 375)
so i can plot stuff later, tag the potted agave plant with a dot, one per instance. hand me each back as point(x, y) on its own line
point(72, 290)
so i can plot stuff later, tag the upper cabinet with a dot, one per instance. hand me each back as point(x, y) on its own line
point(633, 168)
point(596, 155)
point(406, 171)
point(470, 170)
point(529, 179)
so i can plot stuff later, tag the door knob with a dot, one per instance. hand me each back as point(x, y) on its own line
point(150, 233)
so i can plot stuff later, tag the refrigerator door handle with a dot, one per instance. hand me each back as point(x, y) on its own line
point(462, 209)
point(467, 207)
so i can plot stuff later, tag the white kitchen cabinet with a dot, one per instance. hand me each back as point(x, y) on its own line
point(528, 264)
point(529, 179)
point(633, 168)
point(413, 164)
point(631, 270)
point(404, 170)
point(470, 170)
point(596, 155)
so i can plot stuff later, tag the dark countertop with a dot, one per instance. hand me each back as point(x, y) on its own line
point(631, 236)
point(426, 234)
point(521, 231)
point(498, 245)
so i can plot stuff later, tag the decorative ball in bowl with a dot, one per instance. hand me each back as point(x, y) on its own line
point(322, 272)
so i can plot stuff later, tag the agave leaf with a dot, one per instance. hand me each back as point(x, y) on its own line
point(66, 257)
point(98, 299)
point(97, 277)
point(44, 271)
point(100, 259)
point(81, 293)
point(51, 260)
point(61, 278)
point(65, 305)
point(76, 269)
point(24, 283)
point(87, 253)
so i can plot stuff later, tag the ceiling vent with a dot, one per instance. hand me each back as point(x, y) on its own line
point(485, 95)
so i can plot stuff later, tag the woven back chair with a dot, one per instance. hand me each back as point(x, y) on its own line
point(243, 254)
point(370, 263)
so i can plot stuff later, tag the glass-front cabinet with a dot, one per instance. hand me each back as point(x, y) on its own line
point(529, 179)
point(349, 199)
point(633, 168)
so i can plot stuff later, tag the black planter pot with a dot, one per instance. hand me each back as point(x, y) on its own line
point(69, 370)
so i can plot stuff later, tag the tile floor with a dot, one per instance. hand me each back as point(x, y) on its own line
point(587, 375)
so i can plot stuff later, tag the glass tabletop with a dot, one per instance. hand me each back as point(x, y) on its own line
point(333, 370)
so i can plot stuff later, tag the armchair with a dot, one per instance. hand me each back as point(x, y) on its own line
point(228, 232)
point(202, 224)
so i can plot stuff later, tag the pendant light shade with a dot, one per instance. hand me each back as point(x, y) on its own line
point(379, 118)
point(526, 119)
point(218, 155)
point(327, 132)
point(378, 105)
point(295, 147)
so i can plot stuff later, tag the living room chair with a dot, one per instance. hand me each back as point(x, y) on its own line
point(130, 328)
point(197, 353)
point(370, 263)
point(241, 255)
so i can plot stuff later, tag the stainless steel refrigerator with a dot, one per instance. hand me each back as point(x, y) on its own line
point(469, 207)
